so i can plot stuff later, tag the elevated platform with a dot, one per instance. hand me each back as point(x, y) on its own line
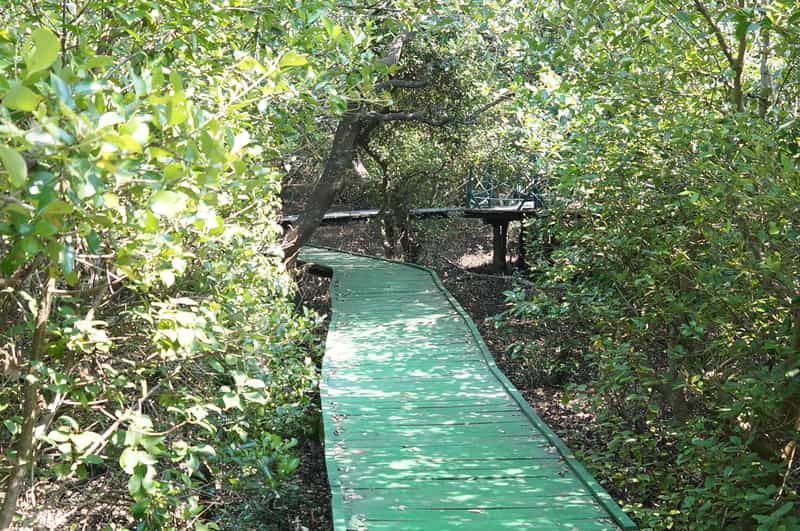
point(345, 216)
point(497, 216)
point(422, 430)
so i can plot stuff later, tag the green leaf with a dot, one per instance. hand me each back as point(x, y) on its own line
point(93, 241)
point(150, 222)
point(134, 484)
point(176, 81)
point(168, 204)
point(110, 119)
point(40, 50)
point(30, 245)
point(44, 228)
point(82, 441)
point(63, 91)
point(124, 142)
point(67, 259)
point(21, 98)
point(15, 165)
point(167, 277)
point(152, 443)
point(231, 400)
point(139, 510)
point(176, 110)
point(12, 427)
point(130, 459)
point(56, 208)
point(56, 436)
point(99, 61)
point(290, 59)
point(782, 510)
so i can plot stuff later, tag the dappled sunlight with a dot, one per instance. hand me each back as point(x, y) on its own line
point(421, 431)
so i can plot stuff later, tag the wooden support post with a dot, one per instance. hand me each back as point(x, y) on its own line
point(500, 241)
point(521, 258)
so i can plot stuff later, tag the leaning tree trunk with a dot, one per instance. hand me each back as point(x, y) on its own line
point(338, 167)
point(354, 127)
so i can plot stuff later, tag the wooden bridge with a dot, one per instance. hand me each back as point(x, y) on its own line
point(498, 216)
point(422, 431)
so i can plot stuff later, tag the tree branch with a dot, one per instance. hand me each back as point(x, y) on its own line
point(8, 283)
point(741, 50)
point(500, 99)
point(426, 118)
point(374, 156)
point(402, 83)
point(398, 116)
point(396, 49)
point(717, 32)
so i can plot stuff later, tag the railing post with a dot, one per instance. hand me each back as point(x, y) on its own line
point(468, 202)
point(499, 243)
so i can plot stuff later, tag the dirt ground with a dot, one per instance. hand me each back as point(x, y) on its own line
point(460, 251)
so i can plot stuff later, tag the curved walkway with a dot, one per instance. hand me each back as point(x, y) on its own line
point(422, 431)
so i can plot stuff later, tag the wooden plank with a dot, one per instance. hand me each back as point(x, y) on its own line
point(422, 431)
point(500, 449)
point(451, 470)
point(529, 520)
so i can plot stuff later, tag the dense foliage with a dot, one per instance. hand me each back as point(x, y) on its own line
point(668, 264)
point(148, 333)
point(148, 323)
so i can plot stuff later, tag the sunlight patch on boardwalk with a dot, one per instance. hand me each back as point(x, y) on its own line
point(422, 431)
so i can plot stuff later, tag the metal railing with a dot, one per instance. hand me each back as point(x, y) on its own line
point(489, 193)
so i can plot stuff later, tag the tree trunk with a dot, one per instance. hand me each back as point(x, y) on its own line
point(766, 77)
point(407, 242)
point(521, 258)
point(30, 406)
point(736, 61)
point(387, 218)
point(389, 235)
point(338, 167)
point(738, 68)
point(351, 130)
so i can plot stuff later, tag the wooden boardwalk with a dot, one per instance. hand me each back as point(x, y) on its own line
point(345, 216)
point(422, 431)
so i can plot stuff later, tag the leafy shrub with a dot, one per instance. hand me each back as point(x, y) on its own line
point(677, 265)
point(148, 323)
point(668, 262)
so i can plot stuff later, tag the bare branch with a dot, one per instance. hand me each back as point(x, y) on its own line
point(8, 283)
point(718, 32)
point(419, 116)
point(6, 199)
point(374, 156)
point(500, 99)
point(426, 118)
point(402, 83)
point(396, 49)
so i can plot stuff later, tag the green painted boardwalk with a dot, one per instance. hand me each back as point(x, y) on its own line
point(422, 431)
